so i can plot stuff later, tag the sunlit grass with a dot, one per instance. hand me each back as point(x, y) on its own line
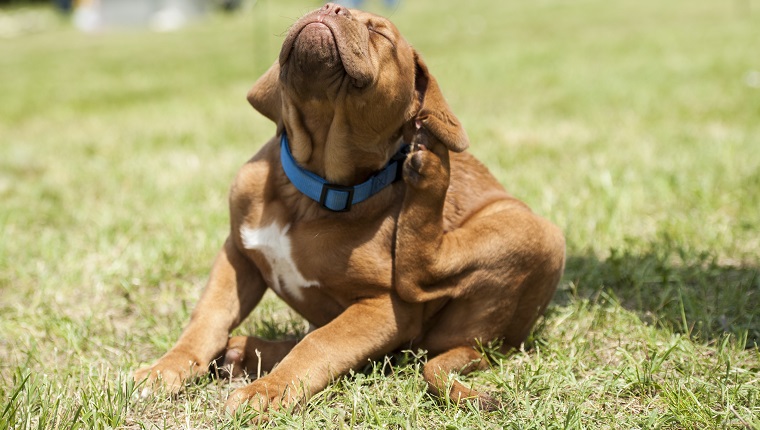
point(633, 125)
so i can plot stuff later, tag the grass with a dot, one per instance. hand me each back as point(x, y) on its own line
point(633, 125)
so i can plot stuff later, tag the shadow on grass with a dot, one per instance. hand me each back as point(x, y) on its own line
point(665, 284)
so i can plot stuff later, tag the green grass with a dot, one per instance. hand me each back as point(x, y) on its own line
point(634, 125)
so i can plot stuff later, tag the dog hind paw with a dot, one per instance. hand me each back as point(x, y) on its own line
point(425, 167)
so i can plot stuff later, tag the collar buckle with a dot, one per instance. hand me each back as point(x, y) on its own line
point(326, 188)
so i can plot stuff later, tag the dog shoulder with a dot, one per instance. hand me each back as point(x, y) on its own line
point(253, 176)
point(255, 180)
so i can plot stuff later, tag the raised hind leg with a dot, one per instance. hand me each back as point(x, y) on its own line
point(497, 271)
point(501, 243)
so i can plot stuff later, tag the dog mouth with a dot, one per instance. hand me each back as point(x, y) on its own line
point(321, 46)
point(314, 50)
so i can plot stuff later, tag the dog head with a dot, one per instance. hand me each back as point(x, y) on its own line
point(346, 88)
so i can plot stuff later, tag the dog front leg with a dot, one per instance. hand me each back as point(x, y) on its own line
point(234, 287)
point(364, 331)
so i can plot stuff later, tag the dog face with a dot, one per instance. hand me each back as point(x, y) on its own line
point(349, 77)
point(335, 53)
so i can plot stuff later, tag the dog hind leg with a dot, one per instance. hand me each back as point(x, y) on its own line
point(462, 360)
point(501, 245)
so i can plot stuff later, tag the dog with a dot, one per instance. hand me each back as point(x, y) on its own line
point(366, 215)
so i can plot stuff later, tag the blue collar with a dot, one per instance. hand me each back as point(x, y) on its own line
point(339, 198)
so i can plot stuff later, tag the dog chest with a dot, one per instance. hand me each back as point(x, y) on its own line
point(274, 244)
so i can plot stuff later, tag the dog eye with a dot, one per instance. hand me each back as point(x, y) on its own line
point(372, 30)
point(357, 84)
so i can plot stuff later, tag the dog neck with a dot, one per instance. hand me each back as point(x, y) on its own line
point(339, 198)
point(338, 156)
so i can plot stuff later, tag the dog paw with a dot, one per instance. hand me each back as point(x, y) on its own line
point(485, 402)
point(462, 395)
point(169, 374)
point(427, 166)
point(261, 395)
point(233, 364)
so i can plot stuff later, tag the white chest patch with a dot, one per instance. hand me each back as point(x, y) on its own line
point(274, 244)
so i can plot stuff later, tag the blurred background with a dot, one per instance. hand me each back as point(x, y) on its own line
point(631, 125)
point(98, 15)
point(634, 125)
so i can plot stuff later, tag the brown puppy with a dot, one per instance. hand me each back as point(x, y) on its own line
point(440, 260)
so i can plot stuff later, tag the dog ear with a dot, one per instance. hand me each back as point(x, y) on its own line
point(264, 96)
point(435, 114)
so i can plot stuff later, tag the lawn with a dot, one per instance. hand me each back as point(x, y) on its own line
point(633, 125)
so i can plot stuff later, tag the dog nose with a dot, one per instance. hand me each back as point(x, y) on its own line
point(335, 9)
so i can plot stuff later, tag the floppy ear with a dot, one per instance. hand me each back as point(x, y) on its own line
point(435, 114)
point(264, 96)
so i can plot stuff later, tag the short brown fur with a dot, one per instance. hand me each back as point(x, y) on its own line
point(440, 261)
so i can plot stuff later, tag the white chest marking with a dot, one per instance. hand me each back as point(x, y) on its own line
point(274, 244)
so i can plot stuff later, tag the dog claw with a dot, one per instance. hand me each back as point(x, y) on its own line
point(488, 403)
point(145, 393)
point(233, 403)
